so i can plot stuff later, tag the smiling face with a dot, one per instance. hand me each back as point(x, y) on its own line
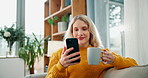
point(81, 32)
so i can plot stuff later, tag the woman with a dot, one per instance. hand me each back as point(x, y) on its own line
point(82, 28)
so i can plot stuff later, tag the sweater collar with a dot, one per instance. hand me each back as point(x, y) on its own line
point(86, 47)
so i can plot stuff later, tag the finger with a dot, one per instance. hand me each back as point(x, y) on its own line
point(73, 59)
point(103, 50)
point(104, 62)
point(67, 51)
point(64, 49)
point(70, 56)
point(69, 61)
point(109, 57)
point(106, 53)
point(106, 58)
point(73, 54)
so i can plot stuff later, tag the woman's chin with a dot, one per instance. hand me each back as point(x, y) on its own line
point(83, 45)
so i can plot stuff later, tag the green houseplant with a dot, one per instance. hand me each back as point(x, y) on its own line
point(63, 24)
point(11, 35)
point(31, 50)
point(56, 18)
point(52, 21)
point(64, 18)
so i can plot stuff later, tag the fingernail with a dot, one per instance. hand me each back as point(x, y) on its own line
point(104, 50)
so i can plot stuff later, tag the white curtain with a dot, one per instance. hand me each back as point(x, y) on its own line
point(136, 30)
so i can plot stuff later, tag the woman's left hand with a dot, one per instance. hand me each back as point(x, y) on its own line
point(108, 57)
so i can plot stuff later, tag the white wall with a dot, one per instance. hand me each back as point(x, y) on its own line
point(136, 33)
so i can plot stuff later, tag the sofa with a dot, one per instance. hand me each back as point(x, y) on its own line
point(11, 67)
point(39, 75)
point(140, 71)
point(131, 72)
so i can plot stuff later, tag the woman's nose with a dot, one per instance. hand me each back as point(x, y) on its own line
point(80, 33)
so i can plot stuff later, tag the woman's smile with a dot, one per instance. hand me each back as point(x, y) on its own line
point(81, 38)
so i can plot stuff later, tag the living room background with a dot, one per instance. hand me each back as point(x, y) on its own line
point(34, 16)
point(8, 17)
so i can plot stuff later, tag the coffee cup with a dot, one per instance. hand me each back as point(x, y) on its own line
point(93, 55)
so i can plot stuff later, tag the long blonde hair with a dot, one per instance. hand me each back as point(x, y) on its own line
point(94, 40)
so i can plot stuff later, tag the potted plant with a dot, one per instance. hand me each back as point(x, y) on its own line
point(62, 25)
point(52, 21)
point(11, 35)
point(31, 50)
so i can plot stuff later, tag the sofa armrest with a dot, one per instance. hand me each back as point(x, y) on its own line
point(131, 72)
point(39, 75)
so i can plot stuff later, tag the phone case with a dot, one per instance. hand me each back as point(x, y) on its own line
point(73, 42)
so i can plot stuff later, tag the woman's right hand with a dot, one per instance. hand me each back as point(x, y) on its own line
point(65, 58)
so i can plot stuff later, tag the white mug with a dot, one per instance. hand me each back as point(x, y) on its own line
point(93, 55)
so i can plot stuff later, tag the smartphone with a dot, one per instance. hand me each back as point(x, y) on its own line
point(73, 42)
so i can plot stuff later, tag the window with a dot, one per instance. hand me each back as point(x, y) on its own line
point(118, 1)
point(7, 18)
point(34, 19)
point(116, 28)
point(34, 14)
point(34, 23)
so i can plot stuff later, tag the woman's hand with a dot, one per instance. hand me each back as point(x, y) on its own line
point(65, 58)
point(108, 57)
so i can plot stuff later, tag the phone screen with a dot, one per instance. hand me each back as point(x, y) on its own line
point(73, 42)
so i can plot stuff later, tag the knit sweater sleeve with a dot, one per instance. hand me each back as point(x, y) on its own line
point(55, 69)
point(123, 62)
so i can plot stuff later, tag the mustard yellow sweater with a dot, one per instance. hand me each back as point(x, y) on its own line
point(83, 70)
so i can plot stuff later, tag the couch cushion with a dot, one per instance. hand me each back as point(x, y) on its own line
point(131, 72)
point(40, 75)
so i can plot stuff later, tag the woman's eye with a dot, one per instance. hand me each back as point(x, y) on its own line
point(76, 29)
point(84, 29)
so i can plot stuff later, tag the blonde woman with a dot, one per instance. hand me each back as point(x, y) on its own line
point(82, 28)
